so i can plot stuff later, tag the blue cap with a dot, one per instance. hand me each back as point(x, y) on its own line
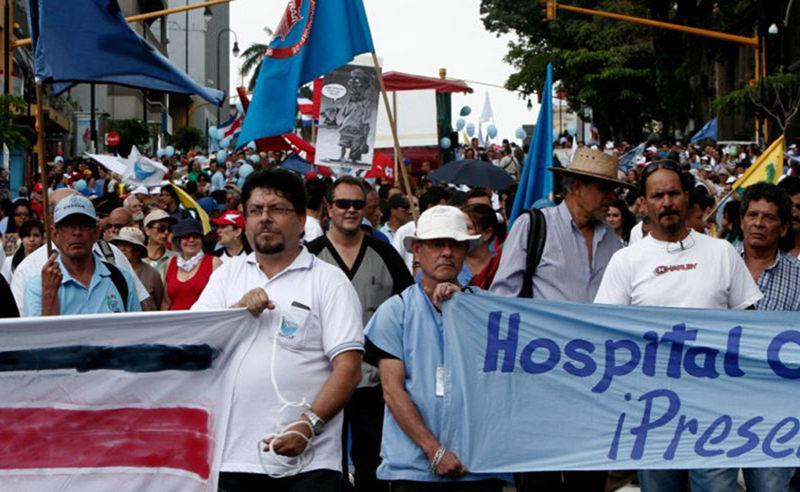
point(72, 205)
point(211, 205)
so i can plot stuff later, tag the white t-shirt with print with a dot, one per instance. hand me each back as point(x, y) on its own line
point(322, 318)
point(699, 272)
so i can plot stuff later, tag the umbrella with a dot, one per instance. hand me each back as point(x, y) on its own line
point(478, 174)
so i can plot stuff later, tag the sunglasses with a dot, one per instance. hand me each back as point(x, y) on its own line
point(162, 228)
point(663, 164)
point(345, 204)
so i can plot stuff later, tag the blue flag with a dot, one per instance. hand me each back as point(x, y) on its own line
point(628, 159)
point(537, 181)
point(313, 38)
point(90, 41)
point(709, 131)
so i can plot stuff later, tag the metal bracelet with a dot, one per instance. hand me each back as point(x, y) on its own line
point(437, 458)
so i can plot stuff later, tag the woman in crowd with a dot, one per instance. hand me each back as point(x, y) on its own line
point(621, 219)
point(21, 213)
point(188, 273)
point(481, 219)
point(31, 233)
point(158, 225)
point(731, 229)
point(131, 242)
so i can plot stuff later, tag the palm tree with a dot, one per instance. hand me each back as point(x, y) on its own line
point(253, 58)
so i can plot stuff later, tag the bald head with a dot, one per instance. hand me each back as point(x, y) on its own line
point(120, 216)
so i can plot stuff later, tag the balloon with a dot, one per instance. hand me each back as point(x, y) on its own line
point(160, 153)
point(465, 111)
point(245, 170)
point(520, 134)
point(201, 159)
point(59, 159)
point(255, 158)
point(572, 129)
point(225, 143)
point(212, 133)
point(470, 130)
point(80, 185)
point(221, 155)
point(251, 145)
point(444, 143)
point(492, 131)
point(240, 183)
point(460, 123)
point(170, 151)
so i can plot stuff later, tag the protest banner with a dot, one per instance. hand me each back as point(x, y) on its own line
point(118, 402)
point(348, 118)
point(541, 385)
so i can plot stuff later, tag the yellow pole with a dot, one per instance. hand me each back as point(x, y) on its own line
point(141, 17)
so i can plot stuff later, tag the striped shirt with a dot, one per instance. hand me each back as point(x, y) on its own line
point(564, 273)
point(780, 284)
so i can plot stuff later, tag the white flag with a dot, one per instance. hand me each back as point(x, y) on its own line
point(124, 402)
point(487, 116)
point(135, 170)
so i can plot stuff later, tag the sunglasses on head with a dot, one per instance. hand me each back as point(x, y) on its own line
point(662, 164)
point(345, 204)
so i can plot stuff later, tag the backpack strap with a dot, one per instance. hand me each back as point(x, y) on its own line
point(537, 235)
point(119, 283)
point(108, 253)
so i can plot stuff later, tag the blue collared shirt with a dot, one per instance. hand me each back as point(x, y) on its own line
point(780, 284)
point(563, 273)
point(408, 327)
point(75, 298)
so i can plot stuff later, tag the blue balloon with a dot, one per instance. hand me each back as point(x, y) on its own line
point(225, 143)
point(444, 143)
point(251, 145)
point(221, 155)
point(240, 183)
point(245, 170)
point(80, 185)
point(201, 159)
point(170, 151)
point(492, 131)
point(59, 159)
point(470, 130)
point(255, 158)
point(460, 123)
point(521, 134)
point(160, 153)
point(212, 133)
point(465, 111)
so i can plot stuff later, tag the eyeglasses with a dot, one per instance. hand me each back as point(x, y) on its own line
point(115, 227)
point(71, 226)
point(271, 211)
point(345, 204)
point(162, 228)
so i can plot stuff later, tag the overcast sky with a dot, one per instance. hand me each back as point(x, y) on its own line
point(419, 37)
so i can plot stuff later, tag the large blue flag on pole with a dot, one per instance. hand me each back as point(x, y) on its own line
point(708, 131)
point(537, 181)
point(90, 41)
point(313, 38)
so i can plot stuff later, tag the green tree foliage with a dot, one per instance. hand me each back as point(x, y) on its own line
point(10, 106)
point(187, 138)
point(630, 75)
point(778, 96)
point(131, 132)
point(253, 58)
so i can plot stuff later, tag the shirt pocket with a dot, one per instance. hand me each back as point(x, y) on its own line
point(378, 290)
point(293, 328)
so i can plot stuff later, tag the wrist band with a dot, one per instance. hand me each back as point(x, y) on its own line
point(437, 458)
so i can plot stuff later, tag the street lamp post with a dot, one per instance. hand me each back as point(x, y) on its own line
point(235, 53)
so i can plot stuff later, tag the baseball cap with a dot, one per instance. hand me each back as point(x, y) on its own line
point(210, 205)
point(442, 222)
point(156, 215)
point(73, 205)
point(141, 190)
point(130, 235)
point(186, 227)
point(233, 217)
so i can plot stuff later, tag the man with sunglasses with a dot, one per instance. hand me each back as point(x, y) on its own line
point(577, 247)
point(377, 272)
point(73, 280)
point(677, 267)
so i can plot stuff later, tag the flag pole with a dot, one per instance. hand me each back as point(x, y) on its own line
point(397, 151)
point(43, 164)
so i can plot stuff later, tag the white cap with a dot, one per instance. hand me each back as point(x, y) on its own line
point(141, 190)
point(72, 205)
point(441, 222)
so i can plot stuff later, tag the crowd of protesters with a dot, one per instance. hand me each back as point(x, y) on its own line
point(324, 261)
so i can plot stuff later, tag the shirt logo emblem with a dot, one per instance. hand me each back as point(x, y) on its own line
point(113, 303)
point(660, 270)
point(288, 329)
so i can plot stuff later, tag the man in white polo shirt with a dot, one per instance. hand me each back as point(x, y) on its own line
point(306, 360)
point(677, 267)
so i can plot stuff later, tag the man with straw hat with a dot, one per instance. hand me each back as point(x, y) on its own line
point(569, 250)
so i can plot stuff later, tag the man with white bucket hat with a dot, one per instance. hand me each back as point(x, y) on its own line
point(405, 338)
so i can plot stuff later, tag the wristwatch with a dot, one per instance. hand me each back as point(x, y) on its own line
point(317, 424)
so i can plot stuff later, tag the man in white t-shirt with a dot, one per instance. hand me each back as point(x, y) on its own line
point(306, 359)
point(677, 267)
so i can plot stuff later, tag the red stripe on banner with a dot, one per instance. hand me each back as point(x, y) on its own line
point(132, 437)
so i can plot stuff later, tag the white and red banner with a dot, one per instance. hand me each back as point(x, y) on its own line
point(118, 402)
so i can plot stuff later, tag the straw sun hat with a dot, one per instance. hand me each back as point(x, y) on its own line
point(593, 164)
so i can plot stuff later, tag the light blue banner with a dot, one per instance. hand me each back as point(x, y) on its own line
point(540, 385)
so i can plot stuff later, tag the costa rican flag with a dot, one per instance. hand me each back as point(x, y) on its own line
point(118, 402)
point(232, 127)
